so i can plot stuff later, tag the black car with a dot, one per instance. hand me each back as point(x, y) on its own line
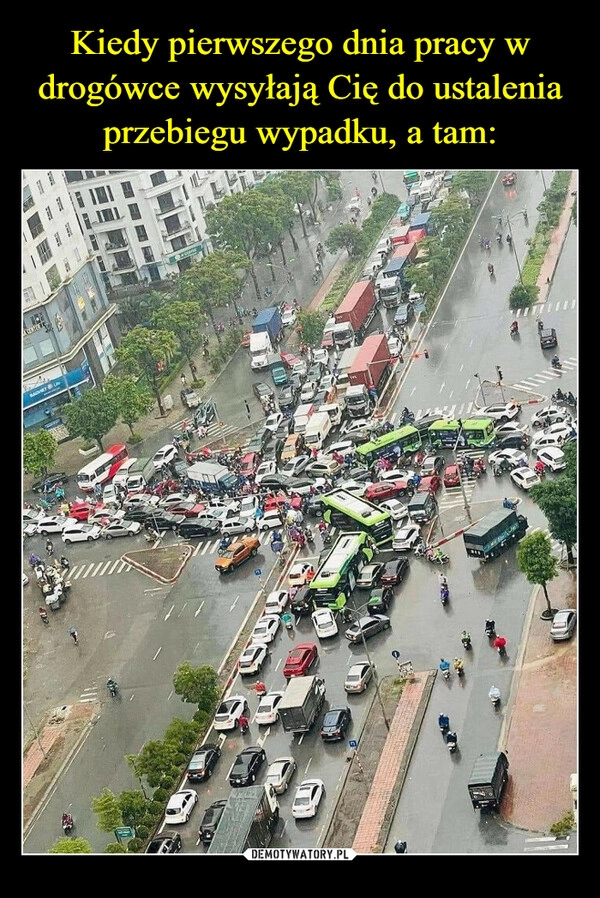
point(246, 766)
point(205, 414)
point(394, 571)
point(194, 528)
point(278, 482)
point(379, 600)
point(370, 575)
point(210, 821)
point(203, 763)
point(358, 436)
point(404, 314)
point(423, 424)
point(259, 441)
point(335, 724)
point(548, 338)
point(141, 513)
point(288, 397)
point(362, 475)
point(162, 520)
point(302, 603)
point(285, 429)
point(273, 450)
point(263, 392)
point(512, 441)
point(50, 481)
point(168, 842)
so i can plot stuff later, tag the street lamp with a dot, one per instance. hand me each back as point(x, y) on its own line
point(467, 507)
point(354, 614)
point(134, 765)
point(480, 387)
point(499, 370)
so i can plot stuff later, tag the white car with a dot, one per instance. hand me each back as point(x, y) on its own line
point(266, 629)
point(308, 391)
point(229, 712)
point(165, 455)
point(555, 435)
point(252, 659)
point(358, 677)
point(513, 456)
point(300, 367)
point(276, 601)
point(300, 573)
point(397, 474)
point(324, 623)
point(109, 495)
point(327, 382)
point(320, 355)
point(264, 469)
point(247, 507)
point(295, 466)
point(553, 458)
point(307, 798)
point(511, 428)
point(406, 538)
point(180, 806)
point(366, 424)
point(343, 447)
point(175, 499)
point(237, 525)
point(524, 478)
point(49, 524)
point(267, 708)
point(289, 318)
point(550, 414)
point(273, 421)
point(503, 412)
point(394, 346)
point(269, 520)
point(121, 528)
point(280, 773)
point(81, 532)
point(396, 508)
point(353, 486)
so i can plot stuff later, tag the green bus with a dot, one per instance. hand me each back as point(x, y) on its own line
point(394, 443)
point(346, 511)
point(471, 433)
point(336, 577)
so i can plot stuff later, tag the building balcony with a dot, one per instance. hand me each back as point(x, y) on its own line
point(183, 228)
point(100, 227)
point(178, 206)
point(116, 247)
point(150, 192)
point(124, 267)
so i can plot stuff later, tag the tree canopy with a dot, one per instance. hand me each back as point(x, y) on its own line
point(39, 452)
point(91, 416)
point(147, 351)
point(536, 561)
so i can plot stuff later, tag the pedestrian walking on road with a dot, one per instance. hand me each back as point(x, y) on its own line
point(183, 379)
point(247, 408)
point(194, 370)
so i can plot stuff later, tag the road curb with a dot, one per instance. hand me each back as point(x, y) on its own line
point(150, 573)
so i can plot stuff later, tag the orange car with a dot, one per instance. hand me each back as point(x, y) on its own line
point(238, 552)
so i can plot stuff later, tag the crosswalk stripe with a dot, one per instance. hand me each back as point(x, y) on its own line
point(104, 568)
point(205, 548)
point(117, 562)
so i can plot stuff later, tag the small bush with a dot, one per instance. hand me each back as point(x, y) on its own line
point(135, 438)
point(87, 445)
point(160, 794)
point(199, 383)
point(134, 846)
point(522, 296)
point(115, 848)
point(142, 831)
point(564, 826)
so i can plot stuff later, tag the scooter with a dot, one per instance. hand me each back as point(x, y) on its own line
point(479, 468)
point(67, 824)
point(112, 686)
point(490, 629)
point(494, 696)
point(444, 723)
point(452, 742)
point(458, 667)
point(244, 727)
point(514, 331)
point(445, 669)
point(556, 364)
point(436, 559)
point(44, 615)
point(466, 641)
point(444, 595)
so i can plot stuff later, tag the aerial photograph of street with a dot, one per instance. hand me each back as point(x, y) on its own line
point(334, 416)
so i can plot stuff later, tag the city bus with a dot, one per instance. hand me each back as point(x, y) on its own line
point(103, 468)
point(336, 577)
point(346, 511)
point(471, 433)
point(395, 443)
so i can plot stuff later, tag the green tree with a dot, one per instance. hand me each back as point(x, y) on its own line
point(197, 685)
point(348, 237)
point(133, 807)
point(214, 282)
point(147, 351)
point(134, 310)
point(536, 561)
point(570, 450)
point(132, 399)
point(183, 319)
point(90, 416)
point(558, 500)
point(298, 186)
point(476, 183)
point(71, 845)
point(183, 733)
point(522, 295)
point(106, 807)
point(311, 326)
point(39, 452)
point(156, 759)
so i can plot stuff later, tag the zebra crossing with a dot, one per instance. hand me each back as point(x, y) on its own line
point(453, 495)
point(547, 843)
point(534, 381)
point(459, 410)
point(216, 429)
point(540, 310)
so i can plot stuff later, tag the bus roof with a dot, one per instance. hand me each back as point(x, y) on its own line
point(91, 466)
point(387, 439)
point(345, 549)
point(347, 501)
point(467, 424)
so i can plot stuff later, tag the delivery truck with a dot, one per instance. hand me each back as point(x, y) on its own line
point(402, 258)
point(140, 475)
point(494, 533)
point(260, 350)
point(368, 375)
point(301, 703)
point(354, 315)
point(269, 322)
point(317, 430)
point(212, 478)
point(248, 820)
point(487, 780)
point(302, 416)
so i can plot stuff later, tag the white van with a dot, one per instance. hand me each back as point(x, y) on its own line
point(120, 478)
point(317, 430)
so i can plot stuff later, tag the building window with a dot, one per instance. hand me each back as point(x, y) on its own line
point(89, 174)
point(93, 197)
point(134, 212)
point(159, 177)
point(67, 266)
point(35, 225)
point(101, 195)
point(101, 264)
point(141, 233)
point(94, 242)
point(46, 348)
point(51, 178)
point(28, 295)
point(127, 189)
point(202, 203)
point(165, 202)
point(59, 203)
point(105, 215)
point(53, 277)
point(49, 213)
point(29, 356)
point(39, 186)
point(185, 193)
point(79, 199)
point(147, 254)
point(77, 256)
point(57, 238)
point(44, 251)
point(68, 229)
point(86, 221)
point(172, 224)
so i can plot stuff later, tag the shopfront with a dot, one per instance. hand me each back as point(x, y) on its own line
point(44, 396)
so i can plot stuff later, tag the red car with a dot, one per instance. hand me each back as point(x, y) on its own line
point(388, 489)
point(429, 484)
point(197, 455)
point(299, 660)
point(188, 509)
point(451, 477)
point(249, 464)
point(82, 510)
point(246, 340)
point(289, 359)
point(279, 500)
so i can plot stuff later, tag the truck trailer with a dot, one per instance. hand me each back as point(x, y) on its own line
point(354, 315)
point(370, 372)
point(268, 322)
point(248, 821)
point(212, 478)
point(301, 703)
point(494, 533)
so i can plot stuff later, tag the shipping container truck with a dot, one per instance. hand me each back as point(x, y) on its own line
point(494, 533)
point(370, 372)
point(248, 820)
point(301, 703)
point(211, 477)
point(269, 322)
point(354, 315)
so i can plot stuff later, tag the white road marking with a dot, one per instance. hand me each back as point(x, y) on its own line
point(157, 654)
point(168, 614)
point(199, 609)
point(443, 384)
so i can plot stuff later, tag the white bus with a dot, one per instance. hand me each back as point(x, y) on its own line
point(103, 468)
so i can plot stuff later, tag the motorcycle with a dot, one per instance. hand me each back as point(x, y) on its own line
point(514, 331)
point(445, 669)
point(466, 641)
point(491, 270)
point(288, 621)
point(494, 696)
point(479, 468)
point(444, 595)
point(309, 536)
point(490, 629)
point(458, 667)
point(67, 824)
point(556, 363)
point(65, 563)
point(501, 649)
point(244, 726)
point(451, 742)
point(44, 615)
point(112, 686)
point(444, 723)
point(440, 558)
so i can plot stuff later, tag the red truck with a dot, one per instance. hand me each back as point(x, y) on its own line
point(354, 315)
point(370, 371)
